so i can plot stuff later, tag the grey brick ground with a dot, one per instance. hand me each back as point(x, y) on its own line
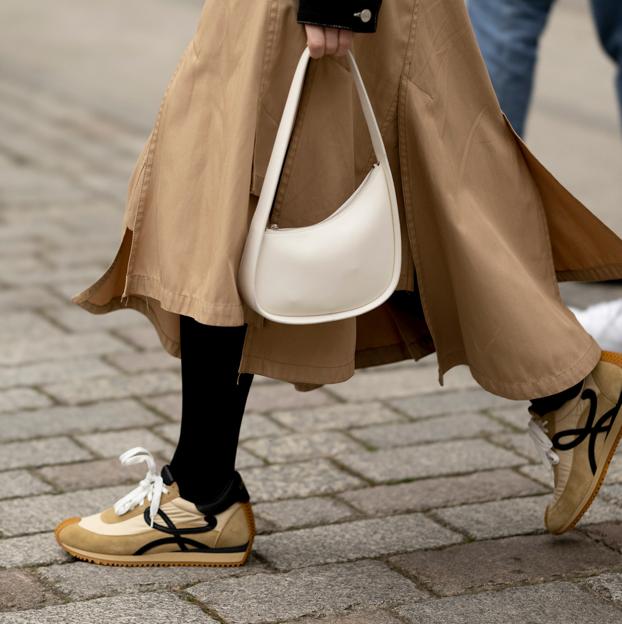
point(429, 430)
point(20, 590)
point(510, 561)
point(303, 512)
point(435, 404)
point(42, 513)
point(440, 487)
point(156, 608)
point(31, 550)
point(115, 387)
point(555, 603)
point(439, 459)
point(41, 452)
point(353, 540)
point(369, 617)
point(436, 493)
point(323, 590)
point(113, 443)
point(22, 398)
point(515, 516)
point(21, 483)
point(297, 480)
point(47, 372)
point(83, 581)
point(69, 420)
point(301, 446)
point(339, 416)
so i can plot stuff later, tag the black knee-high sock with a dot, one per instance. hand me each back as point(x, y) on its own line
point(213, 402)
point(555, 401)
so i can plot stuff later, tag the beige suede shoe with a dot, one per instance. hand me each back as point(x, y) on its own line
point(579, 440)
point(154, 526)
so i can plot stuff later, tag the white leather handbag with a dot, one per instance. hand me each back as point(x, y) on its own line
point(342, 266)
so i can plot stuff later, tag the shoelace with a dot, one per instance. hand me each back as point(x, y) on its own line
point(151, 487)
point(537, 429)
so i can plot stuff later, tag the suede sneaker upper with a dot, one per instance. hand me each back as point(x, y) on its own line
point(579, 440)
point(154, 525)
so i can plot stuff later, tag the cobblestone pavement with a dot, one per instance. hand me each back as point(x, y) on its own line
point(382, 500)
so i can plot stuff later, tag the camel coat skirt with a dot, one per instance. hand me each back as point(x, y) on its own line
point(487, 231)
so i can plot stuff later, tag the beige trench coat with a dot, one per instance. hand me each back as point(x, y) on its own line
point(487, 231)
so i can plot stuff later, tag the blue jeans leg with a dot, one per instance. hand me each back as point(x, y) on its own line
point(608, 18)
point(509, 32)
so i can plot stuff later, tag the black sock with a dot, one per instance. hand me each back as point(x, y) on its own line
point(213, 404)
point(555, 401)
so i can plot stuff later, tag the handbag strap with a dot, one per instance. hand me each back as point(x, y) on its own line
point(283, 136)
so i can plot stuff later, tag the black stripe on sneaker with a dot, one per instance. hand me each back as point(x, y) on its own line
point(198, 546)
point(591, 429)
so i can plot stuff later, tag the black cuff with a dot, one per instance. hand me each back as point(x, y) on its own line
point(355, 15)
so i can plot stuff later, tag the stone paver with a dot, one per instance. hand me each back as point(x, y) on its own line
point(319, 590)
point(21, 483)
point(31, 550)
point(91, 474)
point(25, 351)
point(308, 478)
point(303, 512)
point(374, 497)
point(353, 540)
point(49, 372)
point(267, 397)
point(22, 398)
point(554, 603)
point(41, 452)
point(439, 403)
point(301, 446)
point(438, 459)
point(20, 590)
point(403, 382)
point(436, 493)
point(339, 416)
point(429, 430)
point(609, 533)
point(113, 443)
point(516, 516)
point(59, 420)
point(83, 581)
point(156, 608)
point(115, 387)
point(609, 586)
point(42, 513)
point(510, 561)
point(368, 617)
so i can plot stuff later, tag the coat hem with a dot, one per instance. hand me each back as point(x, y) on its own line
point(297, 374)
point(602, 273)
point(221, 314)
point(140, 305)
point(541, 386)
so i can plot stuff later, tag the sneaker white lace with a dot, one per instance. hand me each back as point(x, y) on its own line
point(151, 487)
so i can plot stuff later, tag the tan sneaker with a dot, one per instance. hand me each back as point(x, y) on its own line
point(579, 440)
point(154, 526)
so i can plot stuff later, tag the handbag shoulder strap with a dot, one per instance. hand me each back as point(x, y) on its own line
point(286, 125)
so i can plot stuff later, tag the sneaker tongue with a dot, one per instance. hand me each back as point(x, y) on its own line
point(167, 475)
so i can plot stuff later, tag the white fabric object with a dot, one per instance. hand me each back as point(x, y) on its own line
point(603, 321)
point(343, 266)
point(151, 487)
point(537, 432)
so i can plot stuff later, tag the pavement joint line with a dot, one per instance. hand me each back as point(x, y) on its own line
point(202, 605)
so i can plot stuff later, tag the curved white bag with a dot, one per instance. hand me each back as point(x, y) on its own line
point(343, 266)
